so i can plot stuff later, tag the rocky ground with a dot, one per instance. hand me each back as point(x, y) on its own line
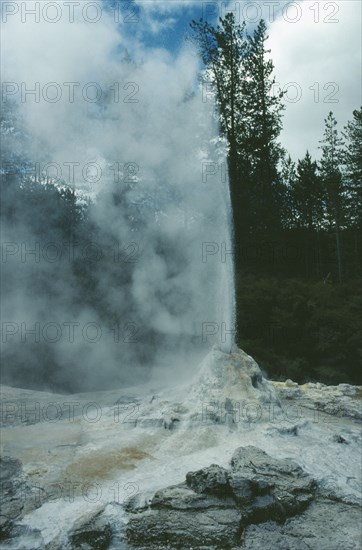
point(259, 502)
point(227, 461)
point(343, 400)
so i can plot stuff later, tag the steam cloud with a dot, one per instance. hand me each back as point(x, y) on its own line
point(148, 153)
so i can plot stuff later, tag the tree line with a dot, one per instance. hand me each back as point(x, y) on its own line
point(271, 195)
point(292, 221)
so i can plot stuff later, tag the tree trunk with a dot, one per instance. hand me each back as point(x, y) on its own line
point(339, 256)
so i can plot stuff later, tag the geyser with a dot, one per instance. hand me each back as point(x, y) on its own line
point(170, 206)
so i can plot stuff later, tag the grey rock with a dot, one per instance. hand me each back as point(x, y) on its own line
point(101, 530)
point(285, 475)
point(342, 401)
point(207, 527)
point(292, 489)
point(284, 429)
point(181, 497)
point(16, 499)
point(215, 505)
point(15, 493)
point(325, 525)
point(138, 503)
point(95, 534)
point(170, 422)
point(338, 438)
point(213, 480)
point(244, 490)
point(22, 537)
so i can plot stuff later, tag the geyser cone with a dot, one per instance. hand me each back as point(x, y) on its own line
point(229, 382)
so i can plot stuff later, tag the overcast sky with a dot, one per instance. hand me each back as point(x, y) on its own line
point(324, 60)
point(316, 48)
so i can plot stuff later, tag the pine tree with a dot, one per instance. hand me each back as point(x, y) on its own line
point(334, 190)
point(265, 112)
point(288, 177)
point(307, 200)
point(222, 49)
point(353, 168)
point(308, 194)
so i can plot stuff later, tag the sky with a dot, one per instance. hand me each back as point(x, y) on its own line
point(316, 49)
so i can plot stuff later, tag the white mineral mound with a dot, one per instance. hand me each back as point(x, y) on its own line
point(228, 394)
point(230, 382)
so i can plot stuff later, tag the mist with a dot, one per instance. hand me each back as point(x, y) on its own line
point(127, 130)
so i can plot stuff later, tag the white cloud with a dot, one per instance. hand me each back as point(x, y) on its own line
point(313, 52)
point(161, 7)
point(156, 16)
